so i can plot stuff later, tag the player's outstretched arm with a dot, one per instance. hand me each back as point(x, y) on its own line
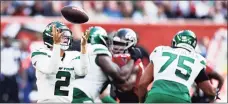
point(56, 51)
point(145, 80)
point(84, 39)
point(117, 74)
point(84, 62)
point(45, 63)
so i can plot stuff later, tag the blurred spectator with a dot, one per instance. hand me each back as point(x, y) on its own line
point(37, 8)
point(139, 11)
point(202, 46)
point(26, 65)
point(126, 8)
point(98, 10)
point(10, 65)
point(218, 15)
point(112, 10)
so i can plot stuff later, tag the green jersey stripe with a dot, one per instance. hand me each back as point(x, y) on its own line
point(78, 57)
point(39, 53)
point(203, 62)
point(100, 49)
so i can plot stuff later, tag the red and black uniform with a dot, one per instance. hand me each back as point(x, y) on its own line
point(127, 96)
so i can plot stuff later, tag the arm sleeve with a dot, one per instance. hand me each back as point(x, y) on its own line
point(45, 63)
point(202, 76)
point(81, 65)
point(55, 59)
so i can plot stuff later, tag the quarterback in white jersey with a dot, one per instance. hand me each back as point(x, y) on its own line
point(56, 68)
point(174, 69)
point(101, 68)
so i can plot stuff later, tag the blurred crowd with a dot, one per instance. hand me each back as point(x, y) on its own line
point(139, 11)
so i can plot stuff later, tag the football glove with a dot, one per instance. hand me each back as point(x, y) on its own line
point(135, 53)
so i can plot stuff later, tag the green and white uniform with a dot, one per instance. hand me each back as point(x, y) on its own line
point(95, 79)
point(175, 70)
point(55, 74)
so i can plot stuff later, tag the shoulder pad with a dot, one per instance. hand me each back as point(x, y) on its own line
point(159, 48)
point(100, 49)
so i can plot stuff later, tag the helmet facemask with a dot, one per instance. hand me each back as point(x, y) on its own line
point(120, 46)
point(66, 40)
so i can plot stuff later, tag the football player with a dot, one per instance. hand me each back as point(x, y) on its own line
point(102, 70)
point(174, 69)
point(122, 40)
point(55, 67)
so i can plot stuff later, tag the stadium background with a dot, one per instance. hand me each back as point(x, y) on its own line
point(155, 22)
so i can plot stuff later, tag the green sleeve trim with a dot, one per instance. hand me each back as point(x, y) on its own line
point(108, 99)
point(78, 57)
point(100, 49)
point(203, 62)
point(39, 53)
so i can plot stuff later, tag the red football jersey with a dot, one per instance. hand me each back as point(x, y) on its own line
point(122, 59)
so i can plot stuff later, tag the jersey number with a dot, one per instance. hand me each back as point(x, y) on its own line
point(180, 64)
point(65, 83)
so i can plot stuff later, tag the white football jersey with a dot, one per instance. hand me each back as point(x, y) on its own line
point(177, 64)
point(55, 87)
point(95, 79)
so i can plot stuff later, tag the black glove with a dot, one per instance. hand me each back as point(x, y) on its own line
point(135, 53)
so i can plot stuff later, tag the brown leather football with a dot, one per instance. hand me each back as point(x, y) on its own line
point(74, 14)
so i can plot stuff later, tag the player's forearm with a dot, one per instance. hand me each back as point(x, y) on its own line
point(55, 59)
point(83, 49)
point(126, 70)
point(141, 93)
point(84, 62)
point(207, 87)
point(211, 91)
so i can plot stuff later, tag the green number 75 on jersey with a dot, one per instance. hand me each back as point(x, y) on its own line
point(184, 75)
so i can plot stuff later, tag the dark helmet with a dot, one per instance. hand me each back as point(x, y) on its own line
point(123, 39)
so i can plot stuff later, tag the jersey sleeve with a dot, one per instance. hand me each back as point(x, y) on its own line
point(40, 59)
point(45, 62)
point(81, 65)
point(156, 52)
point(203, 61)
point(101, 49)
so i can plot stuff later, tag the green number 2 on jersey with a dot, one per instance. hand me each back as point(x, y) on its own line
point(180, 64)
point(65, 83)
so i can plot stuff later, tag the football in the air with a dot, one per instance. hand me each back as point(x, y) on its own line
point(74, 14)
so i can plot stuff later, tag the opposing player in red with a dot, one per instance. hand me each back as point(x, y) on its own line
point(121, 41)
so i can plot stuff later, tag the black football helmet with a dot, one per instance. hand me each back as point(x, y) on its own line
point(122, 40)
